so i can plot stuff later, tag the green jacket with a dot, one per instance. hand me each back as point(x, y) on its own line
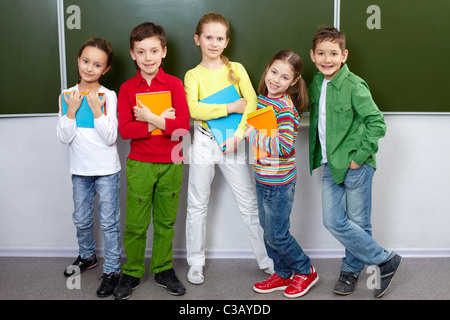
point(353, 123)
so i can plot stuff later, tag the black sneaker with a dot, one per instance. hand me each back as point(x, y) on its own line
point(169, 280)
point(387, 272)
point(346, 283)
point(108, 284)
point(83, 264)
point(126, 285)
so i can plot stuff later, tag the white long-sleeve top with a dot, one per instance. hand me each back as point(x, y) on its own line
point(92, 151)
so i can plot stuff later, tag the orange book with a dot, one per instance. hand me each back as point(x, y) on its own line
point(266, 122)
point(157, 102)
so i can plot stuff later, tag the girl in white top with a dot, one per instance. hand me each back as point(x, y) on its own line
point(213, 74)
point(94, 162)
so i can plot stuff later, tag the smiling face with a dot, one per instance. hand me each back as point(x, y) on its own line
point(148, 55)
point(212, 40)
point(92, 64)
point(279, 78)
point(328, 58)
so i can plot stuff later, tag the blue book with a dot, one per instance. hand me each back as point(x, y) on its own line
point(84, 115)
point(224, 127)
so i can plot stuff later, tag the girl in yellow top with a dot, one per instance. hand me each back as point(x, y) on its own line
point(213, 74)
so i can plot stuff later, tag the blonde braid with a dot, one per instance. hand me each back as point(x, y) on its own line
point(231, 74)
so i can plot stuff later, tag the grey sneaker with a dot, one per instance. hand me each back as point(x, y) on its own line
point(346, 283)
point(387, 272)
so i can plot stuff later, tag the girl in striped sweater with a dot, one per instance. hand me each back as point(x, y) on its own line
point(281, 87)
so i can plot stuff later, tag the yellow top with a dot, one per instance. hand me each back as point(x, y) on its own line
point(200, 83)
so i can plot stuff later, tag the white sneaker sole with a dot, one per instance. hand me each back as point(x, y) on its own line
point(269, 290)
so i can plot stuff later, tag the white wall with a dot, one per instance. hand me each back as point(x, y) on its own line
point(411, 193)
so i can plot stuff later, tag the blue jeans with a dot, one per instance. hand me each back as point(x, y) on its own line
point(347, 215)
point(274, 206)
point(84, 191)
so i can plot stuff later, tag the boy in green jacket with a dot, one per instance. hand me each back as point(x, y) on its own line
point(345, 126)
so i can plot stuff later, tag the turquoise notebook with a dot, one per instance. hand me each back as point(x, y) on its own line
point(224, 128)
point(84, 115)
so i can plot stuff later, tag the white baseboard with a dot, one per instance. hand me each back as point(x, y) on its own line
point(221, 253)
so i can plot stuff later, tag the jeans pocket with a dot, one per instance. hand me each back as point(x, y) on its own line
point(355, 178)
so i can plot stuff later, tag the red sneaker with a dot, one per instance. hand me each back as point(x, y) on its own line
point(301, 283)
point(271, 284)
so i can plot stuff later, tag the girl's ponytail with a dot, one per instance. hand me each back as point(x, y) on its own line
point(299, 95)
point(231, 74)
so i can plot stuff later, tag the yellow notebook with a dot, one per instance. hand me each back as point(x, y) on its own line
point(157, 102)
point(266, 122)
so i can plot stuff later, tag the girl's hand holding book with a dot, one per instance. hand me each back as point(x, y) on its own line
point(237, 107)
point(95, 103)
point(73, 103)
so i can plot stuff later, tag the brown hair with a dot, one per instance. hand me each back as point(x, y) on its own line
point(98, 43)
point(298, 92)
point(147, 30)
point(330, 34)
point(211, 18)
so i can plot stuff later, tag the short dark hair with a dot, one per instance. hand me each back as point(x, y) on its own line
point(329, 33)
point(147, 30)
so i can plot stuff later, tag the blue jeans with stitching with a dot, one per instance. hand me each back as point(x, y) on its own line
point(84, 190)
point(347, 211)
point(274, 206)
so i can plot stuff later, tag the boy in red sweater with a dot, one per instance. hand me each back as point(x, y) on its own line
point(154, 166)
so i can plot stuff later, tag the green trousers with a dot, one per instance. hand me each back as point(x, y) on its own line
point(151, 187)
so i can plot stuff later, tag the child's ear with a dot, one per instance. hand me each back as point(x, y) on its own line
point(197, 39)
point(106, 70)
point(311, 53)
point(344, 56)
point(164, 54)
point(132, 55)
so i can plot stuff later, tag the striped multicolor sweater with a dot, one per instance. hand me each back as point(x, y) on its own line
point(279, 168)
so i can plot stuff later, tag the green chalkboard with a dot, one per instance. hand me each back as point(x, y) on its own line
point(258, 30)
point(401, 61)
point(29, 57)
point(402, 55)
point(30, 52)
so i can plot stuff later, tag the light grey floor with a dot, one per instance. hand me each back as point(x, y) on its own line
point(42, 279)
